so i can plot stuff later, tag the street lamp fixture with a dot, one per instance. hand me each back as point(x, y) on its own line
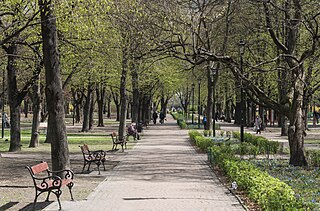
point(241, 49)
point(212, 74)
point(192, 114)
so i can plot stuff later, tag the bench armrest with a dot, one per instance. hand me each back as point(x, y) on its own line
point(68, 174)
point(95, 155)
point(98, 151)
point(48, 182)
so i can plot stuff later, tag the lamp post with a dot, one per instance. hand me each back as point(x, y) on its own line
point(199, 111)
point(192, 114)
point(241, 48)
point(3, 99)
point(213, 73)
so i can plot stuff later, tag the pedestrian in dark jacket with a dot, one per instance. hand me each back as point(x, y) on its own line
point(155, 117)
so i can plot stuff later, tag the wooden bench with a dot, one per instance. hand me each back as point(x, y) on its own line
point(98, 157)
point(118, 141)
point(45, 180)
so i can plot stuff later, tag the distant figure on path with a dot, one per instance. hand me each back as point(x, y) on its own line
point(155, 117)
point(204, 121)
point(162, 117)
point(258, 124)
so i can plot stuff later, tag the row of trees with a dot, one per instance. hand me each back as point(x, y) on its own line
point(131, 51)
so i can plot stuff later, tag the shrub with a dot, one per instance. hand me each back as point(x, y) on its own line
point(203, 143)
point(264, 145)
point(313, 157)
point(270, 193)
point(183, 124)
point(193, 134)
point(246, 148)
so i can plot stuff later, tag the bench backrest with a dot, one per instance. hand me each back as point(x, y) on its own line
point(114, 136)
point(36, 169)
point(85, 149)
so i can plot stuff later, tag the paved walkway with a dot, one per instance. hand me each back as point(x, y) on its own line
point(162, 172)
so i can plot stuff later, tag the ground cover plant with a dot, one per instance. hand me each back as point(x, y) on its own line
point(305, 182)
point(287, 187)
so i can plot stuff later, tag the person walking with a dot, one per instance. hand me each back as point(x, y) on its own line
point(258, 124)
point(155, 117)
point(162, 117)
point(204, 121)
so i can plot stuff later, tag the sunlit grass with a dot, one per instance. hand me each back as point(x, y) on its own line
point(312, 141)
point(94, 140)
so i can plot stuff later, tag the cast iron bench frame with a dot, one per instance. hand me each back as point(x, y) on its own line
point(52, 183)
point(98, 157)
point(118, 141)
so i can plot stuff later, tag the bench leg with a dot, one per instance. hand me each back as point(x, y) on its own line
point(122, 147)
point(47, 199)
point(84, 165)
point(114, 146)
point(104, 168)
point(98, 164)
point(58, 193)
point(89, 166)
point(35, 201)
point(70, 185)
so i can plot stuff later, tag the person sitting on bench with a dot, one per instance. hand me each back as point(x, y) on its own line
point(132, 131)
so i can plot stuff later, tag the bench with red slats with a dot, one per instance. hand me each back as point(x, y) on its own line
point(51, 181)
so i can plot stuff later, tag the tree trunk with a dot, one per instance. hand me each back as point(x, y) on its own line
point(91, 112)
point(115, 97)
point(56, 133)
point(15, 136)
point(36, 98)
point(135, 95)
point(123, 94)
point(128, 109)
point(209, 114)
point(109, 108)
point(78, 105)
point(296, 130)
point(86, 110)
point(26, 107)
point(100, 92)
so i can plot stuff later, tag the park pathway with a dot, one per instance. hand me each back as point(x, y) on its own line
point(162, 172)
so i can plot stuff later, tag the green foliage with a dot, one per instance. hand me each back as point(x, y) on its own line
point(264, 146)
point(269, 192)
point(313, 157)
point(246, 148)
point(193, 134)
point(203, 143)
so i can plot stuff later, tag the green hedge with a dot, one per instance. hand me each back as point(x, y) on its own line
point(263, 145)
point(193, 134)
point(270, 193)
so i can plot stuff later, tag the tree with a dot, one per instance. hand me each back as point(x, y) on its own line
point(56, 132)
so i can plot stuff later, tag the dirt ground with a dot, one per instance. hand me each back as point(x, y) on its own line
point(16, 187)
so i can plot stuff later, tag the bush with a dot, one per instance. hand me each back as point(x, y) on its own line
point(313, 157)
point(246, 148)
point(203, 143)
point(264, 145)
point(270, 193)
point(193, 134)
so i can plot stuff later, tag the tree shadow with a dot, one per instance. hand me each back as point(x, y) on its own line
point(8, 205)
point(39, 206)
